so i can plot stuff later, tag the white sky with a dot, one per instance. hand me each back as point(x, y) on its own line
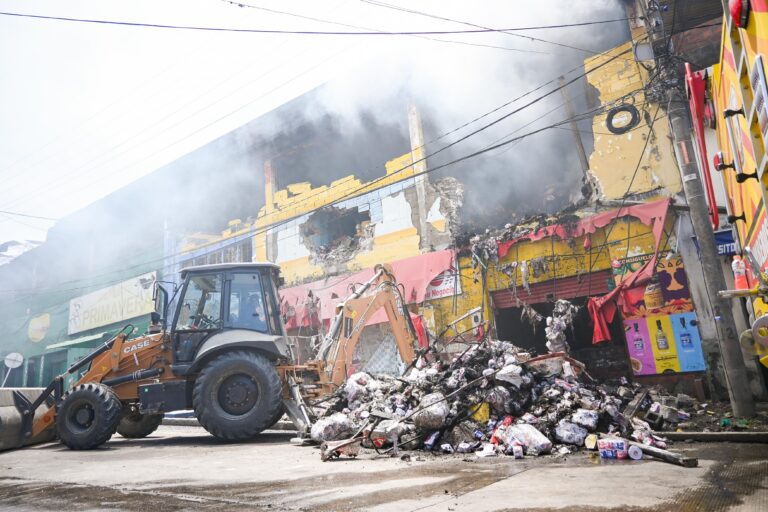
point(87, 108)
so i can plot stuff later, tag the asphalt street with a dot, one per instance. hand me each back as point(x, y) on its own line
point(183, 468)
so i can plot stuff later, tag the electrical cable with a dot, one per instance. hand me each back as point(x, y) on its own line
point(19, 214)
point(64, 176)
point(360, 27)
point(50, 185)
point(264, 229)
point(300, 32)
point(433, 16)
point(366, 186)
point(605, 244)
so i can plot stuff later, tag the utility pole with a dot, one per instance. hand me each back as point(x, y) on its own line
point(727, 339)
point(583, 160)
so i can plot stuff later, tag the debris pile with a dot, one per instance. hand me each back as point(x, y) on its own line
point(492, 399)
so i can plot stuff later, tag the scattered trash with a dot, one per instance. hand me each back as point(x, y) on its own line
point(635, 452)
point(333, 428)
point(613, 448)
point(494, 398)
point(488, 450)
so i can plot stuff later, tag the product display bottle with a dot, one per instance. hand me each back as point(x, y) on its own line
point(739, 273)
point(686, 341)
point(637, 340)
point(653, 297)
point(662, 343)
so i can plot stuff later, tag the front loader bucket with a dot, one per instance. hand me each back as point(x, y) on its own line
point(12, 421)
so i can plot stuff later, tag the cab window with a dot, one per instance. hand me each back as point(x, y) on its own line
point(201, 304)
point(246, 303)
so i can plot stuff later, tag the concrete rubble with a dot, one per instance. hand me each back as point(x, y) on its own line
point(494, 399)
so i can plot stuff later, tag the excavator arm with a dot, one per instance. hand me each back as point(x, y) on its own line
point(354, 312)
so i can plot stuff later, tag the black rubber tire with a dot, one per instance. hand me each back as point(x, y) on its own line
point(87, 416)
point(257, 390)
point(135, 425)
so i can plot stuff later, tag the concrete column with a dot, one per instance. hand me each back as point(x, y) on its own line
point(270, 188)
point(416, 132)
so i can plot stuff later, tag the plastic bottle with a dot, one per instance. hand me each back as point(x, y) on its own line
point(739, 273)
point(638, 339)
point(661, 338)
point(685, 337)
point(652, 296)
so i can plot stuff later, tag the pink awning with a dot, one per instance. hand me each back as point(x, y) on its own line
point(646, 213)
point(312, 303)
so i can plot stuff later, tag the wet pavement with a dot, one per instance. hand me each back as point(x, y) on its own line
point(182, 468)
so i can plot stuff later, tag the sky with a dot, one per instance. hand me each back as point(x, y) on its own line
point(87, 108)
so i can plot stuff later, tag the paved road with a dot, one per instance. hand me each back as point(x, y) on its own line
point(183, 468)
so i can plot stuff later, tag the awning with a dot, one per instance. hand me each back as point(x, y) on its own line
point(646, 213)
point(76, 341)
point(310, 304)
point(595, 283)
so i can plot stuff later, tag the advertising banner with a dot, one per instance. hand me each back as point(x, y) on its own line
point(659, 319)
point(639, 345)
point(122, 301)
point(444, 284)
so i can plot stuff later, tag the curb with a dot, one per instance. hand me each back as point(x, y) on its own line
point(717, 437)
point(192, 422)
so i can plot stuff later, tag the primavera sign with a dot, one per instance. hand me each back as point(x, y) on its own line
point(122, 301)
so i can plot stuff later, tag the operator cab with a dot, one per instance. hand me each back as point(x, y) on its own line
point(216, 298)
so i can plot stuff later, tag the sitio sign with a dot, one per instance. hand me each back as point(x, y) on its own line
point(122, 301)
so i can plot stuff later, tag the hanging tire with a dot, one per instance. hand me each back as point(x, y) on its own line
point(135, 425)
point(634, 119)
point(87, 416)
point(237, 395)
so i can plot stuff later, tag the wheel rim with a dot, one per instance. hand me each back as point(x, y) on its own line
point(80, 417)
point(238, 394)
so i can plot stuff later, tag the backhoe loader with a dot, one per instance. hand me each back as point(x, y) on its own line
point(223, 353)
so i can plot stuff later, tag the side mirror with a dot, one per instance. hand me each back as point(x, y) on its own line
point(160, 297)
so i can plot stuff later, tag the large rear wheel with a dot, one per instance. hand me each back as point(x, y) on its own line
point(237, 395)
point(135, 425)
point(87, 416)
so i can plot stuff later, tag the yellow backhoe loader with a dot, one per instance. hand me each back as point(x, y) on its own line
point(224, 353)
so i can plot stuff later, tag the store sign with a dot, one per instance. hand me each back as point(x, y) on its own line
point(444, 284)
point(122, 301)
point(726, 246)
point(760, 95)
point(759, 242)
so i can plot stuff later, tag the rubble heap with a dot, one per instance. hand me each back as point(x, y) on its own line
point(493, 398)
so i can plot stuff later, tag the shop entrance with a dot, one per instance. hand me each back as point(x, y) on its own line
point(607, 360)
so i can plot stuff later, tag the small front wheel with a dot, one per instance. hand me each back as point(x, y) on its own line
point(87, 416)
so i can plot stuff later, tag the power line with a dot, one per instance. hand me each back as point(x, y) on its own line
point(19, 214)
point(367, 186)
point(302, 32)
point(355, 192)
point(361, 27)
point(443, 18)
point(266, 228)
point(87, 166)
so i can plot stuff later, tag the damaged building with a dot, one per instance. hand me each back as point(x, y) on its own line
point(593, 256)
point(606, 276)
